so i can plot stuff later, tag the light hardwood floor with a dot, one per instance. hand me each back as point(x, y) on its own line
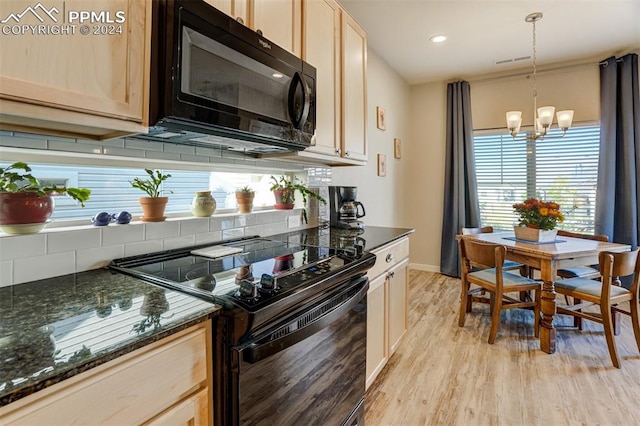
point(443, 374)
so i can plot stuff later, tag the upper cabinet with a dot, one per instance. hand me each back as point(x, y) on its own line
point(84, 71)
point(336, 46)
point(354, 90)
point(277, 20)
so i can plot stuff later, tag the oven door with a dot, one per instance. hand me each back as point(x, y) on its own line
point(310, 369)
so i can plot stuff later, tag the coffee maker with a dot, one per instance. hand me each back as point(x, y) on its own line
point(344, 210)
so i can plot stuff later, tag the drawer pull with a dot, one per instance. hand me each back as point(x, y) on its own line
point(389, 257)
point(391, 275)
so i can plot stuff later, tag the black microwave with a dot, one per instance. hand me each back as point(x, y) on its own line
point(215, 82)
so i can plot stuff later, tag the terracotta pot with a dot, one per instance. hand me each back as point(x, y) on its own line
point(283, 199)
point(153, 208)
point(245, 202)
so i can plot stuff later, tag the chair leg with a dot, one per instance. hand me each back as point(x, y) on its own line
point(465, 302)
point(607, 321)
point(536, 313)
point(635, 320)
point(495, 317)
point(616, 319)
point(577, 321)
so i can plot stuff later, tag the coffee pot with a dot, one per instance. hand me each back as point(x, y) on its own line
point(344, 209)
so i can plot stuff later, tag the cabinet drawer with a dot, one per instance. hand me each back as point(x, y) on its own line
point(389, 256)
point(128, 390)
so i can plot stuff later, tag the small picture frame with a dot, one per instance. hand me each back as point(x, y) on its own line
point(381, 120)
point(382, 165)
point(396, 148)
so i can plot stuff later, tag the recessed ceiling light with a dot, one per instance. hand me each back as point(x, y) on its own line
point(438, 38)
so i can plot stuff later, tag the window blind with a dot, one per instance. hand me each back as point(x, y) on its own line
point(563, 170)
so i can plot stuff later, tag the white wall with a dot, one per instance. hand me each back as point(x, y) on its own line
point(384, 198)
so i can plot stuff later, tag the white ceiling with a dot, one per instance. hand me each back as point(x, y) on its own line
point(481, 32)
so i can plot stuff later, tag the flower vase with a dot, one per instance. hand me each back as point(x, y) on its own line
point(534, 234)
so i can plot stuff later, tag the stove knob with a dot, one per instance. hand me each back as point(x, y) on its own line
point(268, 282)
point(248, 290)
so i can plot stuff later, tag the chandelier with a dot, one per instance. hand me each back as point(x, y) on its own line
point(544, 116)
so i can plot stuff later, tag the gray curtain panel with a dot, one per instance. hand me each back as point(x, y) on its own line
point(618, 191)
point(460, 188)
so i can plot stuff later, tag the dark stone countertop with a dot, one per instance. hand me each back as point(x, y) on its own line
point(372, 237)
point(55, 328)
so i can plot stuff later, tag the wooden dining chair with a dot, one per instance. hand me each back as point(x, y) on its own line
point(508, 264)
point(493, 279)
point(606, 294)
point(587, 271)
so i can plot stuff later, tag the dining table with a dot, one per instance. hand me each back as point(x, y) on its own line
point(548, 258)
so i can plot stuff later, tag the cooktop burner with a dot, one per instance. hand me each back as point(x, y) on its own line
point(250, 273)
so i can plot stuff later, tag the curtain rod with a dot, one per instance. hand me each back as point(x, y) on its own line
point(525, 73)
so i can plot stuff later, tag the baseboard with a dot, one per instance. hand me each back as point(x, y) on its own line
point(423, 267)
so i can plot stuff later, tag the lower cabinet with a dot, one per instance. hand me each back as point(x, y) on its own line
point(387, 305)
point(166, 382)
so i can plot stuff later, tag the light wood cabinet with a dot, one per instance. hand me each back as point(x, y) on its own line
point(336, 46)
point(167, 382)
point(92, 85)
point(354, 90)
point(278, 20)
point(387, 305)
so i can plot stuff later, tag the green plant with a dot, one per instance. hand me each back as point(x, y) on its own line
point(291, 186)
point(245, 190)
point(151, 185)
point(539, 214)
point(17, 178)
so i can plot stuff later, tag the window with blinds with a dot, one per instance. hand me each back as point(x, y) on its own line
point(563, 170)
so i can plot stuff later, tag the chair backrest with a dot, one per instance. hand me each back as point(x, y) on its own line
point(473, 231)
point(619, 264)
point(482, 253)
point(603, 238)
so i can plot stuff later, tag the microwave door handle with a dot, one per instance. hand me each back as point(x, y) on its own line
point(298, 118)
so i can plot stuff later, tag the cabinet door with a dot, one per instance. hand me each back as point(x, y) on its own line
point(103, 72)
point(322, 50)
point(190, 412)
point(376, 334)
point(237, 9)
point(397, 304)
point(354, 89)
point(280, 21)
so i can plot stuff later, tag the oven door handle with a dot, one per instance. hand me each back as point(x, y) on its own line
point(257, 351)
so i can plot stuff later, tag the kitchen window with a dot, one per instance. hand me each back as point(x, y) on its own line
point(563, 170)
point(112, 192)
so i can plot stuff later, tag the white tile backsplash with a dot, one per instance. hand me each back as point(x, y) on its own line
point(98, 257)
point(37, 268)
point(6, 273)
point(194, 226)
point(60, 251)
point(121, 234)
point(161, 230)
point(61, 241)
point(17, 246)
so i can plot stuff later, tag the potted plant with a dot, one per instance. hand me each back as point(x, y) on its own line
point(154, 205)
point(538, 220)
point(244, 198)
point(285, 189)
point(26, 203)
